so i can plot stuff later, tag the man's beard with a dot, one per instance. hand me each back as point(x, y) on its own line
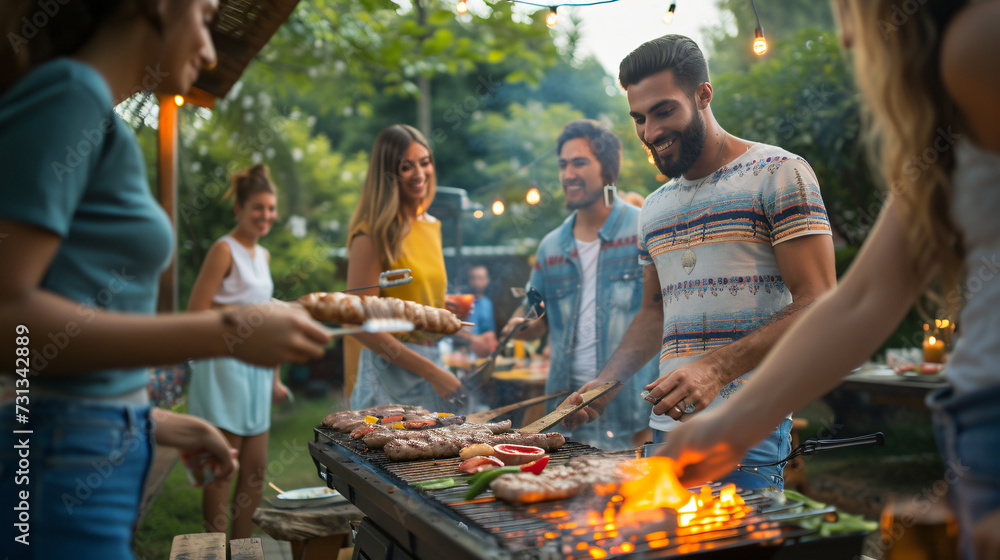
point(588, 199)
point(692, 141)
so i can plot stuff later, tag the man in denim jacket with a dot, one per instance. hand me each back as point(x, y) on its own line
point(588, 273)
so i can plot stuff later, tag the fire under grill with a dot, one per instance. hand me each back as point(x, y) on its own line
point(405, 522)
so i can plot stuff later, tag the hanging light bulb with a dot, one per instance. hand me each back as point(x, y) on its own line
point(497, 207)
point(179, 100)
point(668, 17)
point(759, 42)
point(533, 196)
point(462, 7)
point(552, 19)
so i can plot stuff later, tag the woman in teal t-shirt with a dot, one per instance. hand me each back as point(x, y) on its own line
point(83, 244)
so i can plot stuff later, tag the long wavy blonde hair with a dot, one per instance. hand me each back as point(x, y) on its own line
point(378, 214)
point(911, 120)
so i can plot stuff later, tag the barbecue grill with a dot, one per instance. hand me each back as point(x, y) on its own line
point(404, 522)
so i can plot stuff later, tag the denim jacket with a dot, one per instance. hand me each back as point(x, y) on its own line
point(557, 276)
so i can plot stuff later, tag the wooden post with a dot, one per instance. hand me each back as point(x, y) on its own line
point(166, 175)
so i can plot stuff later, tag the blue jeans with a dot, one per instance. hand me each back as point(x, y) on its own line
point(967, 428)
point(776, 447)
point(82, 468)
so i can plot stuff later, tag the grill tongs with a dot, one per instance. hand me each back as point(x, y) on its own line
point(389, 279)
point(480, 375)
point(811, 446)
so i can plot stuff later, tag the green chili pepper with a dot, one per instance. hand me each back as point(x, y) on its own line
point(484, 479)
point(434, 483)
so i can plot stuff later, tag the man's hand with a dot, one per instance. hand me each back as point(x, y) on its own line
point(483, 345)
point(534, 329)
point(697, 384)
point(590, 412)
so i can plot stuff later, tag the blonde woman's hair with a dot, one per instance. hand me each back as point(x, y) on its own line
point(911, 121)
point(378, 214)
point(252, 180)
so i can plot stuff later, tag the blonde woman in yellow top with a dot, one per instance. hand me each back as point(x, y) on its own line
point(391, 229)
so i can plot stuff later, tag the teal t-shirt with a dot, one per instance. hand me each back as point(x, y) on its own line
point(72, 166)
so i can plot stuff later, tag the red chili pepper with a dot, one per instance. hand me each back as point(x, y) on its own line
point(536, 467)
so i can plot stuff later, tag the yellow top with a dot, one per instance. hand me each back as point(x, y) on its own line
point(421, 253)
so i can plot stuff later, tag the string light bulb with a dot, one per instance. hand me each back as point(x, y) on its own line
point(668, 17)
point(497, 207)
point(533, 197)
point(759, 43)
point(462, 7)
point(179, 100)
point(552, 19)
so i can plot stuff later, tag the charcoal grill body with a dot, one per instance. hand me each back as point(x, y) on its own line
point(404, 523)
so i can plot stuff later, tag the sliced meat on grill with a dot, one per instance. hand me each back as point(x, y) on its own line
point(556, 483)
point(382, 435)
point(442, 446)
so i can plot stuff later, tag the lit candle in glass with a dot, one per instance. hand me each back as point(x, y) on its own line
point(933, 350)
point(945, 329)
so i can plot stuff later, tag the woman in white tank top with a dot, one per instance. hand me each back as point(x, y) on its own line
point(233, 395)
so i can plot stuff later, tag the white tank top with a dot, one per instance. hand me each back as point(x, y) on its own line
point(975, 362)
point(249, 280)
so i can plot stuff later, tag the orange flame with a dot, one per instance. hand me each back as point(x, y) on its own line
point(656, 486)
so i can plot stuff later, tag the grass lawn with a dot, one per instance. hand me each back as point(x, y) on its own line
point(177, 510)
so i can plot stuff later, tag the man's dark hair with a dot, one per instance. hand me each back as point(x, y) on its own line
point(670, 52)
point(605, 145)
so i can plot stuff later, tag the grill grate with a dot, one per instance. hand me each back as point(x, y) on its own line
point(558, 528)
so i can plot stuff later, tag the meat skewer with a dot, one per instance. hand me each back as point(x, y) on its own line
point(338, 307)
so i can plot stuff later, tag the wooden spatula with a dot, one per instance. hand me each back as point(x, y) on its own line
point(553, 418)
point(486, 416)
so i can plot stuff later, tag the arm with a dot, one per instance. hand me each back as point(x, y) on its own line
point(807, 268)
point(215, 268)
point(640, 344)
point(835, 335)
point(481, 344)
point(97, 339)
point(190, 434)
point(972, 79)
point(363, 268)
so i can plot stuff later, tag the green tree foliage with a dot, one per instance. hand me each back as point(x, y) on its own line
point(803, 99)
point(729, 44)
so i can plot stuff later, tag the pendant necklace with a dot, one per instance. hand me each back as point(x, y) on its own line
point(688, 258)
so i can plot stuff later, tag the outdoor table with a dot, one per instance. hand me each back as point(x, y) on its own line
point(314, 532)
point(522, 383)
point(874, 387)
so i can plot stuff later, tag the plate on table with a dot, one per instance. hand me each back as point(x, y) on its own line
point(307, 497)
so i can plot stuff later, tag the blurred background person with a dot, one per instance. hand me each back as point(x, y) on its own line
point(391, 229)
point(481, 337)
point(232, 395)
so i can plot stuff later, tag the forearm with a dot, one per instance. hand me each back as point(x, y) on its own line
point(390, 349)
point(67, 337)
point(640, 344)
point(814, 357)
point(177, 430)
point(743, 355)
